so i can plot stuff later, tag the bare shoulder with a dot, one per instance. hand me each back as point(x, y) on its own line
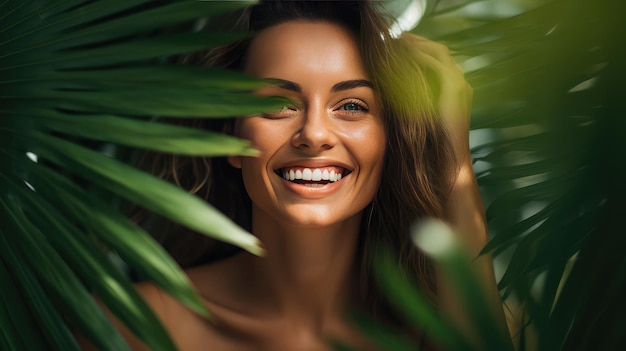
point(152, 295)
point(223, 288)
point(220, 286)
point(188, 330)
point(222, 283)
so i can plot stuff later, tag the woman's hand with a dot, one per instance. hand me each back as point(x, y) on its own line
point(454, 94)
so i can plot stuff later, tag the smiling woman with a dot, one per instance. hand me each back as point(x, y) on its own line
point(373, 139)
point(334, 127)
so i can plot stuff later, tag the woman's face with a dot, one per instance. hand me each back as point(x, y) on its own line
point(321, 157)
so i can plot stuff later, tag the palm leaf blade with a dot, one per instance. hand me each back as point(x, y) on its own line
point(14, 317)
point(44, 93)
point(94, 267)
point(158, 195)
point(155, 136)
point(64, 288)
point(132, 243)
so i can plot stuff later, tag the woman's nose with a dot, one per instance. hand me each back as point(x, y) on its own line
point(316, 132)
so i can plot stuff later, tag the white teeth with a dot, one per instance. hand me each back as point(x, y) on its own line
point(315, 175)
point(307, 174)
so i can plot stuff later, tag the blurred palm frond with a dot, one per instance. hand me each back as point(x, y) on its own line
point(549, 146)
point(78, 78)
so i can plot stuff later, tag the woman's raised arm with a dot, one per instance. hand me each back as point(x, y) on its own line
point(464, 209)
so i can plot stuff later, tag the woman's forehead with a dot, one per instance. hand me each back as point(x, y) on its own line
point(304, 47)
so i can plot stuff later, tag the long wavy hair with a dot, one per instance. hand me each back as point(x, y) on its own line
point(418, 164)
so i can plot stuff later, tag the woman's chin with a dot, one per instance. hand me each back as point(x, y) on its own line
point(317, 217)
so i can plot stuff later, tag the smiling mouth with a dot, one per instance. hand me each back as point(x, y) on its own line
point(313, 176)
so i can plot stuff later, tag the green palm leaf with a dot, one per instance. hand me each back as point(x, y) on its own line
point(74, 74)
point(547, 76)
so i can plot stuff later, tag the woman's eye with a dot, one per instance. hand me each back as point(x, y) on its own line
point(284, 108)
point(284, 111)
point(353, 107)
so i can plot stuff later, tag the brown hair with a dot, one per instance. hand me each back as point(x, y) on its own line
point(417, 168)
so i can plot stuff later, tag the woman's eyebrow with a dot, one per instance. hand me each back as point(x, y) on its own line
point(351, 84)
point(286, 84)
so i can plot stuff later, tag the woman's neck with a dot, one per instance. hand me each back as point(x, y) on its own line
point(308, 274)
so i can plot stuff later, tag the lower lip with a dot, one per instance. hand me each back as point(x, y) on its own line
point(313, 192)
